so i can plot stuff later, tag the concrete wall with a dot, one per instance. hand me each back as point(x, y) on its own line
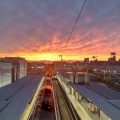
point(19, 66)
point(76, 78)
point(87, 78)
point(22, 68)
point(81, 79)
point(71, 78)
point(5, 73)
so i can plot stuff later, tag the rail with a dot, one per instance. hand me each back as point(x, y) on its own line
point(57, 112)
point(66, 109)
point(72, 111)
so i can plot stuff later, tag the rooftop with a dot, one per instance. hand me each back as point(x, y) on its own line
point(15, 97)
point(108, 100)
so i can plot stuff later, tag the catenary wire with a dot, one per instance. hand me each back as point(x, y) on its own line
point(75, 24)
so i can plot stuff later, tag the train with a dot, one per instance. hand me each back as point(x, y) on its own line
point(47, 103)
point(47, 93)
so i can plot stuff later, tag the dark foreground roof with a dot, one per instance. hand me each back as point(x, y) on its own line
point(15, 97)
point(106, 99)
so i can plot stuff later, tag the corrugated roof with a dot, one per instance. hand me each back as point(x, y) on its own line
point(16, 97)
point(104, 91)
point(3, 104)
point(108, 109)
point(11, 89)
point(116, 103)
point(88, 94)
point(97, 95)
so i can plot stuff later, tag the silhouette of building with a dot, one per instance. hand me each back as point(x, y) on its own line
point(86, 60)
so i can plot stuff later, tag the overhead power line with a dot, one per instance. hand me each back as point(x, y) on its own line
point(75, 23)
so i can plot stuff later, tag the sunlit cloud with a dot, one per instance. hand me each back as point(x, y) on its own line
point(40, 29)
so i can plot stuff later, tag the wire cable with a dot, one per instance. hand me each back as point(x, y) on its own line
point(75, 24)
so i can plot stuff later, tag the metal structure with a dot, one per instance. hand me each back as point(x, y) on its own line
point(60, 57)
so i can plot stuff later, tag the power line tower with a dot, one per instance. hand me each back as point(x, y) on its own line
point(60, 57)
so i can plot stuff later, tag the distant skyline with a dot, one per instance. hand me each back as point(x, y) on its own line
point(39, 29)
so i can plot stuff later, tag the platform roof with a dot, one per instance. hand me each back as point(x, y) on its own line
point(88, 94)
point(104, 91)
point(103, 97)
point(15, 97)
point(108, 109)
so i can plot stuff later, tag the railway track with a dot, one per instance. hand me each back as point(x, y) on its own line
point(67, 112)
point(44, 109)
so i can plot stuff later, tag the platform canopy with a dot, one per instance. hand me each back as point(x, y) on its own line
point(15, 97)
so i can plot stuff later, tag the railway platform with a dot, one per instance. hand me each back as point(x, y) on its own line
point(79, 108)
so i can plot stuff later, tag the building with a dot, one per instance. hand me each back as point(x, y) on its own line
point(112, 59)
point(35, 67)
point(79, 77)
point(86, 60)
point(19, 66)
point(5, 73)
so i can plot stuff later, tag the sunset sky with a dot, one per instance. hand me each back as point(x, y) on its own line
point(39, 29)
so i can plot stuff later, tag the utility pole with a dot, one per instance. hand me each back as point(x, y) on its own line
point(61, 57)
point(60, 62)
point(74, 73)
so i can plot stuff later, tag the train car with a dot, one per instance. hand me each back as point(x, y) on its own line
point(47, 92)
point(48, 82)
point(54, 78)
point(48, 78)
point(47, 103)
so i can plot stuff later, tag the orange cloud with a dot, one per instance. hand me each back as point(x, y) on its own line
point(38, 31)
